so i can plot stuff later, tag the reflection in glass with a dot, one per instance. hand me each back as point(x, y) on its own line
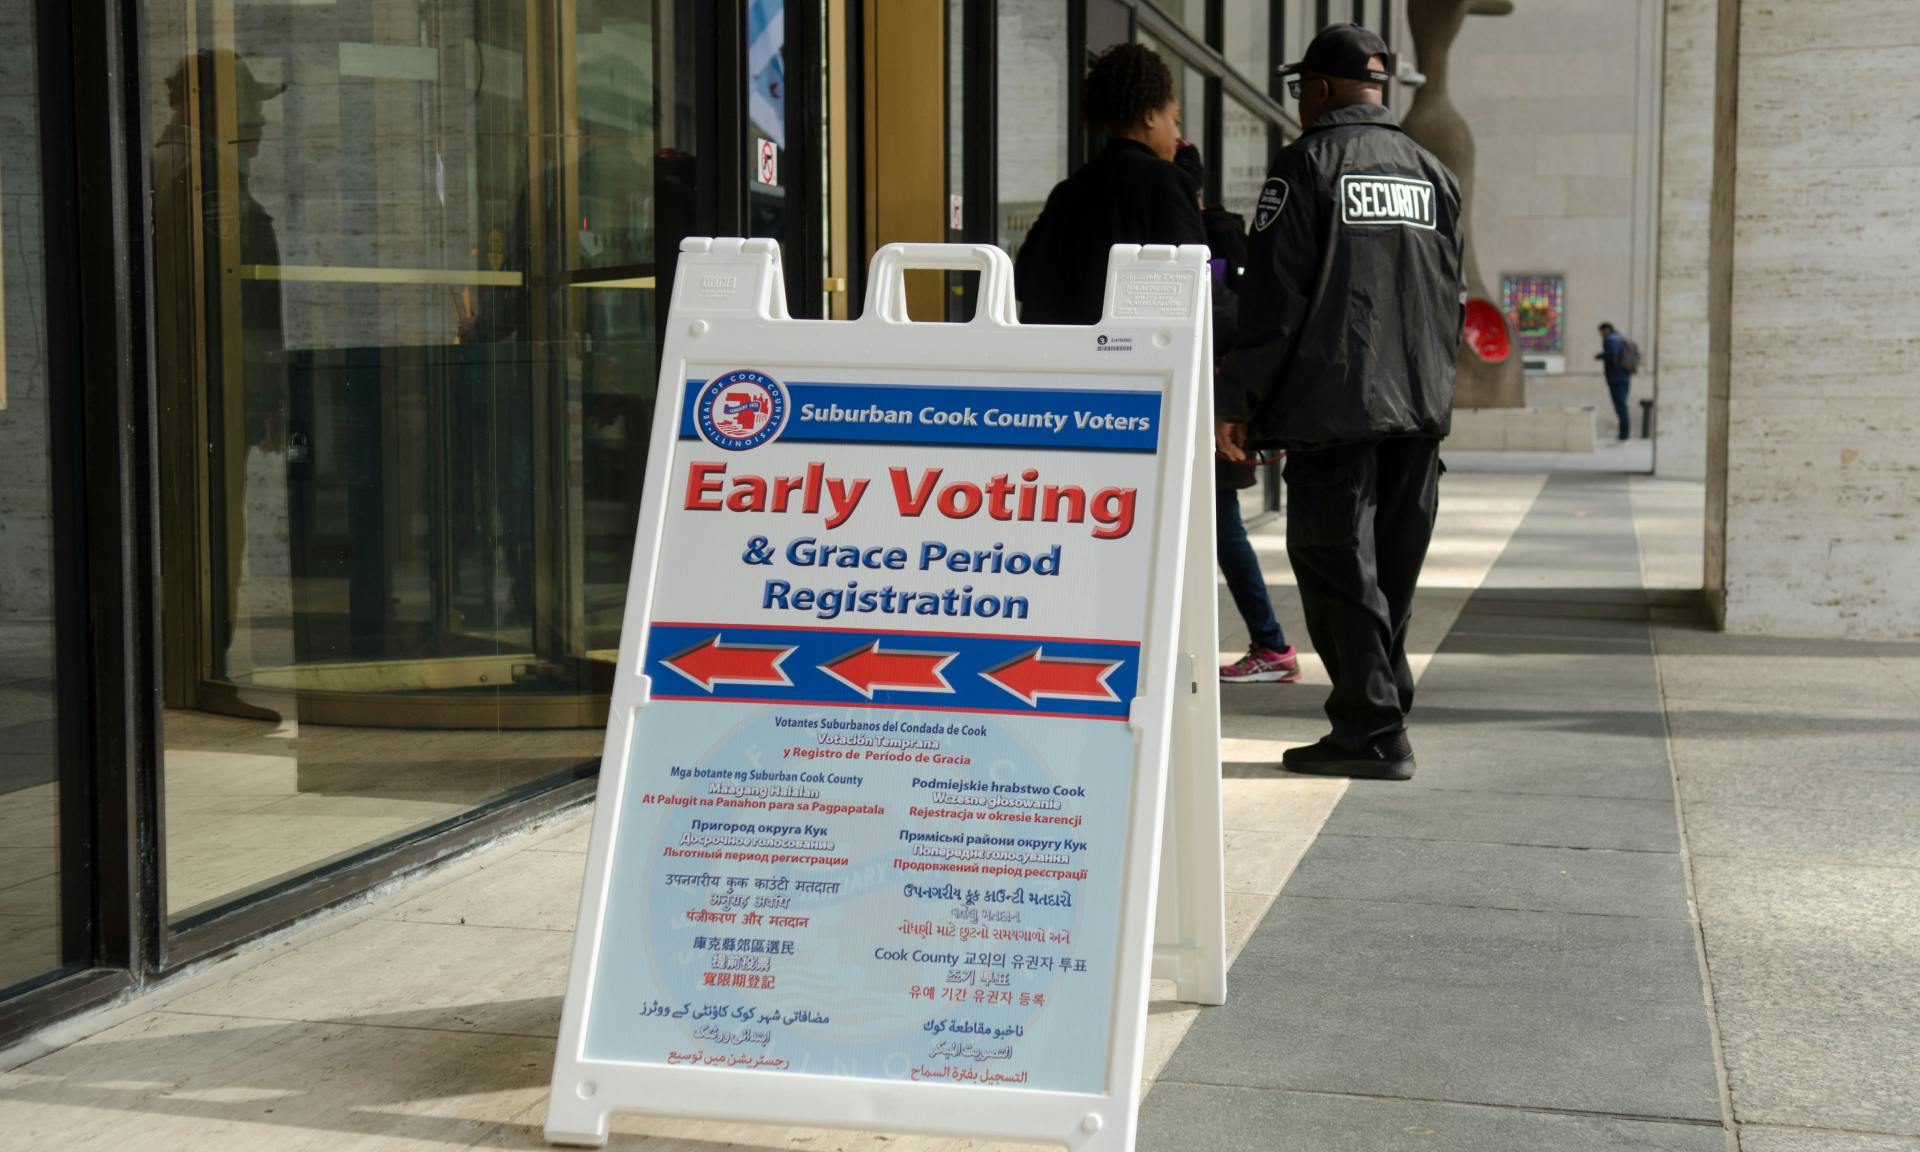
point(1246, 40)
point(1191, 14)
point(1032, 135)
point(30, 944)
point(1298, 24)
point(961, 289)
point(1246, 146)
point(406, 339)
point(1190, 84)
point(767, 118)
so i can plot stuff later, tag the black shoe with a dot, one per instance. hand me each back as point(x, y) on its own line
point(1388, 759)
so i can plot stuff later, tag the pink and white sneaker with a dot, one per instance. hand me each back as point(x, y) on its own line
point(1262, 666)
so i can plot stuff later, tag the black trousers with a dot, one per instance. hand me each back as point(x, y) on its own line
point(1359, 519)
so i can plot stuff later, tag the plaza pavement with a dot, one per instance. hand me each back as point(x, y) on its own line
point(1653, 888)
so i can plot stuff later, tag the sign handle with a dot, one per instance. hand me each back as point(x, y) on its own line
point(887, 285)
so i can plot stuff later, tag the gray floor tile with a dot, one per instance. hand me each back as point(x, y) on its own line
point(1496, 635)
point(1507, 818)
point(1829, 687)
point(1812, 744)
point(1813, 975)
point(1904, 664)
point(1493, 876)
point(1569, 711)
point(1624, 680)
point(1552, 772)
point(1268, 702)
point(406, 975)
point(1866, 834)
point(1730, 780)
point(1479, 630)
point(1549, 760)
point(529, 893)
point(170, 1082)
point(1762, 1139)
point(1776, 649)
point(1181, 1117)
point(1585, 1013)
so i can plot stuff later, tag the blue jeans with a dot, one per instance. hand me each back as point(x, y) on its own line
point(1242, 570)
point(1619, 389)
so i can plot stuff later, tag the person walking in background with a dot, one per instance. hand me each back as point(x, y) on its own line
point(1350, 318)
point(1128, 194)
point(1619, 359)
point(1269, 659)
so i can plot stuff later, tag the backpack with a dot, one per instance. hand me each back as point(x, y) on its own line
point(1629, 356)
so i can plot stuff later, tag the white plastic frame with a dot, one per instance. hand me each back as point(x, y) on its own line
point(728, 294)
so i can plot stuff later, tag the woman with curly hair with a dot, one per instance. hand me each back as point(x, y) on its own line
point(1130, 193)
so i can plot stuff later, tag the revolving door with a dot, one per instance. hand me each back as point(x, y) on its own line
point(407, 336)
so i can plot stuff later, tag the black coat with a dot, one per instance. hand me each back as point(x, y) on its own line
point(1353, 302)
point(1227, 236)
point(1125, 195)
point(1227, 240)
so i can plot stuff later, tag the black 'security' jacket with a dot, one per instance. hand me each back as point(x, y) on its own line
point(1351, 308)
point(1124, 195)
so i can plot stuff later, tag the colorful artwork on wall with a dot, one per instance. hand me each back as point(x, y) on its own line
point(1535, 304)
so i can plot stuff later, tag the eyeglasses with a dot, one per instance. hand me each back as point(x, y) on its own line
point(1294, 85)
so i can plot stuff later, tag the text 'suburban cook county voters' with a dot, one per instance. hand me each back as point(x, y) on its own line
point(907, 655)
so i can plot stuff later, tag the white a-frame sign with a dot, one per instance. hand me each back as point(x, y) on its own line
point(917, 666)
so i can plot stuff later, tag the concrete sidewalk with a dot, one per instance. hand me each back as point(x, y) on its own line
point(1499, 954)
point(1504, 953)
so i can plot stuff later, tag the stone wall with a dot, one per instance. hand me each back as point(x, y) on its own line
point(1561, 95)
point(1686, 184)
point(1814, 480)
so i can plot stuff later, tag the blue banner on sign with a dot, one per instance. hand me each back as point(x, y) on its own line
point(1062, 419)
point(1019, 675)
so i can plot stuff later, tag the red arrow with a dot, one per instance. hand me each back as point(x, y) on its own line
point(710, 662)
point(865, 669)
point(1031, 676)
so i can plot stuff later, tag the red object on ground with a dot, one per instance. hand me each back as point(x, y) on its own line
point(1487, 331)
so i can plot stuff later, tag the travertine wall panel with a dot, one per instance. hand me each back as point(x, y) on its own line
point(1686, 183)
point(1821, 483)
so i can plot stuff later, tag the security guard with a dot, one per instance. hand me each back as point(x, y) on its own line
point(1350, 317)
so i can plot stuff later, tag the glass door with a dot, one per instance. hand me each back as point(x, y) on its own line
point(43, 893)
point(785, 130)
point(1032, 126)
point(407, 335)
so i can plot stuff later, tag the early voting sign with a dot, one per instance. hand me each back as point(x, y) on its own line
point(907, 656)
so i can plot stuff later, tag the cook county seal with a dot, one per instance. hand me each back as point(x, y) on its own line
point(741, 409)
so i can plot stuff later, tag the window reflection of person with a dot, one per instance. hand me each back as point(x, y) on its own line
point(250, 433)
point(493, 322)
point(611, 182)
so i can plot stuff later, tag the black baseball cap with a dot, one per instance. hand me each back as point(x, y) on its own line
point(1343, 52)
